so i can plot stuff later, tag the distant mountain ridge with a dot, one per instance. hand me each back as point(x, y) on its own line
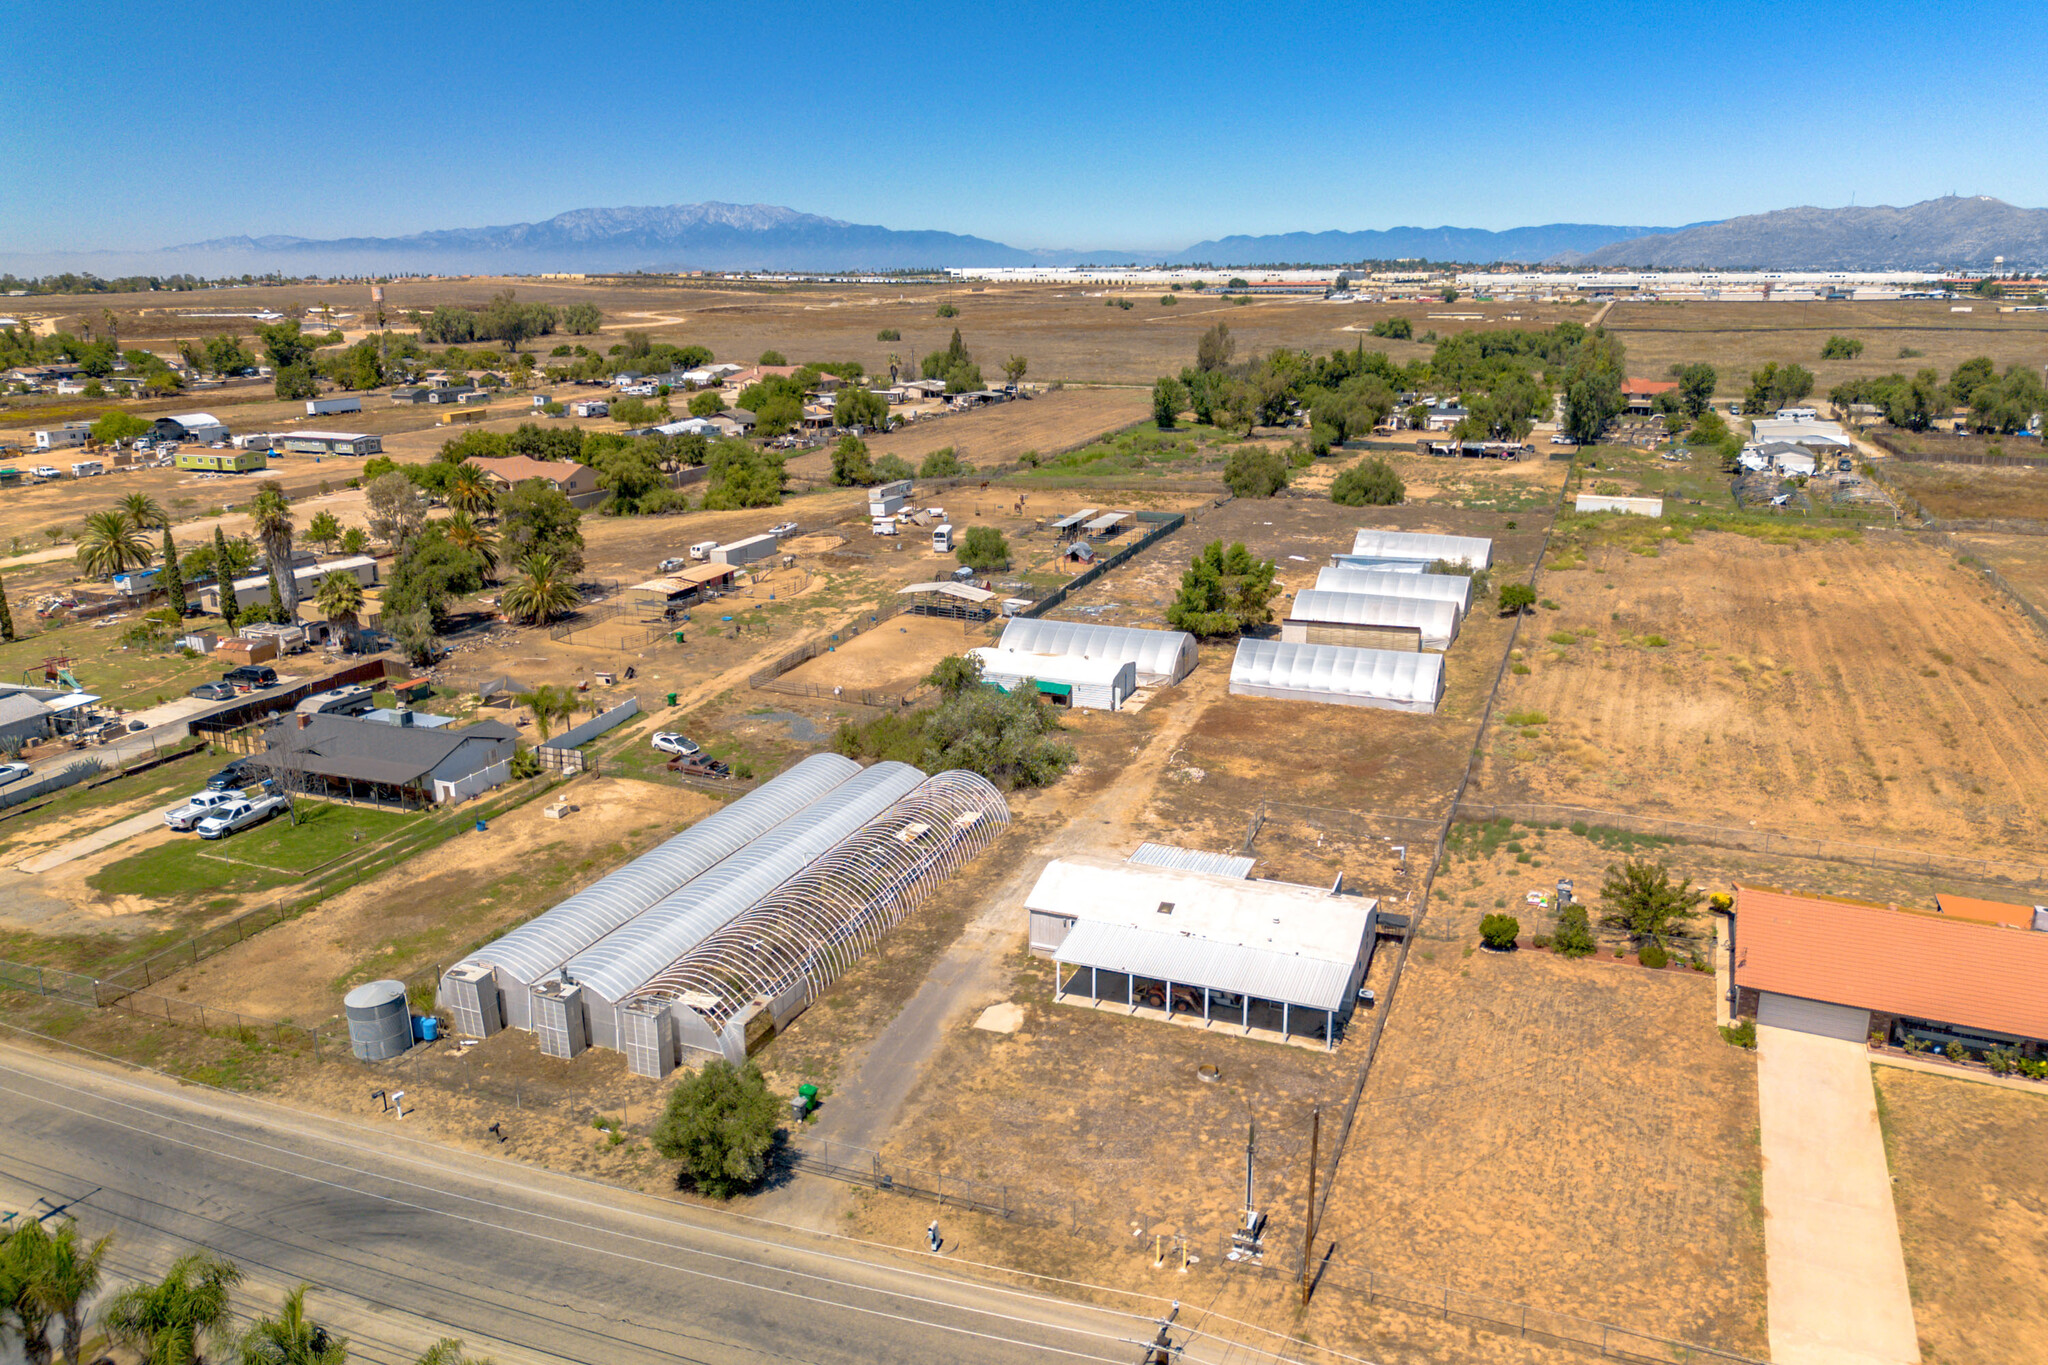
point(1475, 245)
point(1950, 233)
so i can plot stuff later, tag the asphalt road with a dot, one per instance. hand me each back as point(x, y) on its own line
point(405, 1242)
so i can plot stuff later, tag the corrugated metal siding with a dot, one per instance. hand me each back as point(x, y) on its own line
point(1187, 961)
point(1191, 860)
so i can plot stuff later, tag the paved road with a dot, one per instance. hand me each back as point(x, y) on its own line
point(1836, 1275)
point(406, 1242)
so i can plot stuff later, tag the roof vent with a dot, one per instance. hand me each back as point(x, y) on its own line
point(2041, 919)
point(1166, 907)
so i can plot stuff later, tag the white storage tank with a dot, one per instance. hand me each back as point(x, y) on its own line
point(379, 1020)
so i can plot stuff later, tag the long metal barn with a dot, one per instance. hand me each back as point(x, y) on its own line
point(725, 933)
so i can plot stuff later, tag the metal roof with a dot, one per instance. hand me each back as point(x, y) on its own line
point(1190, 860)
point(1436, 618)
point(1073, 519)
point(966, 592)
point(1397, 678)
point(1161, 655)
point(626, 959)
point(1474, 550)
point(1199, 962)
point(1104, 522)
point(544, 943)
point(1446, 587)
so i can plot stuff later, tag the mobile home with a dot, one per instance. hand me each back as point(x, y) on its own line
point(224, 461)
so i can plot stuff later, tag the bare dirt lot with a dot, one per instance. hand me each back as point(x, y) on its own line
point(1867, 689)
point(1970, 1177)
point(893, 657)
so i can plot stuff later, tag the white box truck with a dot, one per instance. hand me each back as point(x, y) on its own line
point(85, 469)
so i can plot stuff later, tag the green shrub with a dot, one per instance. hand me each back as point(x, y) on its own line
point(1653, 955)
point(1541, 940)
point(1956, 1052)
point(1740, 1034)
point(1525, 718)
point(1369, 483)
point(1500, 931)
point(719, 1125)
point(1574, 937)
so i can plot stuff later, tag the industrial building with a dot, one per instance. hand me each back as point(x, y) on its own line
point(331, 443)
point(1210, 948)
point(1972, 972)
point(1063, 679)
point(774, 894)
point(1390, 680)
point(1453, 588)
point(1369, 621)
point(1161, 657)
point(1390, 550)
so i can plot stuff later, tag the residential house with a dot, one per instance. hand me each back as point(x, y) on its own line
point(567, 477)
point(354, 758)
point(1641, 394)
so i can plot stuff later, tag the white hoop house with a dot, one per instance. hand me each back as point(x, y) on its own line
point(1162, 656)
point(1390, 679)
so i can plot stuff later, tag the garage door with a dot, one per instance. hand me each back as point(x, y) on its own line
point(1811, 1016)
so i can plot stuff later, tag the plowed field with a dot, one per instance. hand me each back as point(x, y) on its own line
point(1866, 689)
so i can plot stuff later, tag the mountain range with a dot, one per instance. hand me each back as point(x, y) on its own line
point(1939, 233)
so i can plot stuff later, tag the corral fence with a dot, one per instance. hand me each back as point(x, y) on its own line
point(78, 989)
point(1163, 525)
point(771, 679)
point(1996, 579)
point(1982, 871)
point(625, 626)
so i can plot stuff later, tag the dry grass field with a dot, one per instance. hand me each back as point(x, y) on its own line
point(1962, 492)
point(894, 657)
point(1970, 1177)
point(1047, 423)
point(1736, 338)
point(1867, 689)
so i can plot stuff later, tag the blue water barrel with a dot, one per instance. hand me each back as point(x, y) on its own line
point(480, 827)
point(427, 1027)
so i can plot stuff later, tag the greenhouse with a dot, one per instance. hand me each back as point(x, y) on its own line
point(1370, 621)
point(1163, 657)
point(1390, 679)
point(766, 966)
point(509, 966)
point(1437, 586)
point(1474, 552)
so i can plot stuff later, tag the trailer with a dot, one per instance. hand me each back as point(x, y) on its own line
point(321, 407)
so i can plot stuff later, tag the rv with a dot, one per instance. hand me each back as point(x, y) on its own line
point(701, 551)
point(885, 526)
point(320, 407)
point(85, 469)
point(942, 538)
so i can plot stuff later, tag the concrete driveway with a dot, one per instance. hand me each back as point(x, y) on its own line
point(1837, 1278)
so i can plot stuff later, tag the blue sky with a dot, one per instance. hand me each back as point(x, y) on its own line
point(1054, 125)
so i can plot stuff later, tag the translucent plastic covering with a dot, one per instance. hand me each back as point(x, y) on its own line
point(1436, 618)
point(1162, 656)
point(1475, 551)
point(1396, 679)
point(816, 925)
point(1441, 586)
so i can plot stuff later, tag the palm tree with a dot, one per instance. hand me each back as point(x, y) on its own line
point(468, 490)
point(270, 513)
point(166, 1321)
point(340, 599)
point(292, 1338)
point(448, 1351)
point(464, 533)
point(548, 704)
point(323, 530)
point(22, 1310)
point(66, 1276)
point(144, 513)
point(111, 545)
point(542, 591)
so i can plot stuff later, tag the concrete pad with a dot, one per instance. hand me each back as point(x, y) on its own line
point(1006, 1017)
point(99, 839)
point(1837, 1276)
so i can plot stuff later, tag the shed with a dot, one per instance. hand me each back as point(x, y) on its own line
point(23, 718)
point(748, 551)
point(1069, 526)
point(960, 601)
point(1108, 524)
point(1162, 657)
point(683, 586)
point(1063, 679)
point(1641, 507)
point(1454, 588)
point(1369, 621)
point(1418, 548)
point(1199, 947)
point(1384, 678)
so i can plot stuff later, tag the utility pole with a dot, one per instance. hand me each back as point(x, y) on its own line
point(1161, 1350)
point(1308, 1232)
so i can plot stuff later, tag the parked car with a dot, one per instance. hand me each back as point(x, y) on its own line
point(239, 815)
point(234, 777)
point(215, 691)
point(698, 765)
point(251, 676)
point(14, 772)
point(787, 528)
point(671, 565)
point(670, 743)
point(198, 807)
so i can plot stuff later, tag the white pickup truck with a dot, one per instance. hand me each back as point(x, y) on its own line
point(197, 807)
point(240, 814)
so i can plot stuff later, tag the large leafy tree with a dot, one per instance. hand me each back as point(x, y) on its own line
point(1695, 386)
point(1169, 396)
point(171, 1321)
point(1592, 385)
point(1777, 386)
point(742, 476)
point(1639, 897)
point(536, 519)
point(855, 406)
point(323, 530)
point(270, 514)
point(118, 426)
point(1223, 591)
point(720, 1125)
point(110, 544)
point(397, 512)
point(544, 590)
point(984, 548)
point(851, 467)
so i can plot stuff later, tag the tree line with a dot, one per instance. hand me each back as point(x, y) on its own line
point(1997, 404)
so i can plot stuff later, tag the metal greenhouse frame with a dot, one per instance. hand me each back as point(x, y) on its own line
point(817, 925)
point(530, 952)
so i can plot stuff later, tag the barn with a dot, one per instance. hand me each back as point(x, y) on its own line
point(1371, 549)
point(1162, 657)
point(1369, 621)
point(1207, 949)
point(189, 426)
point(1062, 679)
point(1443, 587)
point(1389, 679)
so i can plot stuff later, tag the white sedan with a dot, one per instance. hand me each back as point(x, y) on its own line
point(14, 772)
point(674, 744)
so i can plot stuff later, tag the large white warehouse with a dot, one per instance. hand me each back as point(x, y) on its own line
point(1413, 547)
point(1369, 621)
point(1161, 656)
point(1443, 587)
point(1389, 679)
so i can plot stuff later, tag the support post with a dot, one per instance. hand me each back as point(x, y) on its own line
point(1308, 1232)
